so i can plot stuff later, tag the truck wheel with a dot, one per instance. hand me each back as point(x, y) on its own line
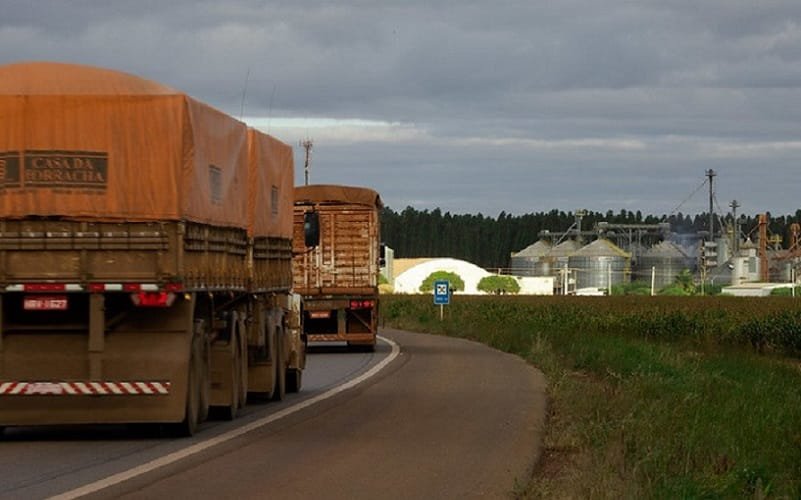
point(243, 366)
point(205, 383)
point(204, 351)
point(188, 427)
point(280, 369)
point(229, 412)
point(294, 379)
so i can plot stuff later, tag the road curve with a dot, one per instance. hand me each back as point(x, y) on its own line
point(447, 419)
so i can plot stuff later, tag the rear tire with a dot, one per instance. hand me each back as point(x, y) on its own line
point(280, 369)
point(294, 379)
point(229, 412)
point(243, 367)
point(204, 354)
point(188, 427)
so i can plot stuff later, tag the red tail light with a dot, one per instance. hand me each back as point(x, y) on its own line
point(153, 299)
point(361, 304)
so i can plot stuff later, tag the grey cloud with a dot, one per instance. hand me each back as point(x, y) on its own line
point(516, 98)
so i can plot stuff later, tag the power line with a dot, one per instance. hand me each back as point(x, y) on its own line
point(244, 93)
point(688, 198)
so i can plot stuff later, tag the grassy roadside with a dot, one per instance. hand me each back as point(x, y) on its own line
point(650, 397)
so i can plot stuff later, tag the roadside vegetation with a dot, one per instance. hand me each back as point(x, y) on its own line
point(650, 397)
point(456, 281)
point(498, 285)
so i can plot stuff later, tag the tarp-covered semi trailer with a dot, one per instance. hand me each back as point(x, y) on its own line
point(145, 253)
point(337, 273)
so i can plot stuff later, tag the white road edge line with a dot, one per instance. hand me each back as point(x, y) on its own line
point(204, 445)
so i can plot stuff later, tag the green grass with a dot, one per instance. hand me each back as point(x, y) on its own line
point(650, 397)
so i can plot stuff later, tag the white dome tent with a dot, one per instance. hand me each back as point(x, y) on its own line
point(410, 280)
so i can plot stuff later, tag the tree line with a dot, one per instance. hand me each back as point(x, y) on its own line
point(489, 242)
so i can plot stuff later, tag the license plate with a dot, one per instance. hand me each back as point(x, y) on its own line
point(45, 303)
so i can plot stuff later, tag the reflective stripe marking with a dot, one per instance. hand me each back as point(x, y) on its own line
point(85, 388)
point(75, 287)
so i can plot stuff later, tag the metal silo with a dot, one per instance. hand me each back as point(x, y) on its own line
point(667, 260)
point(600, 264)
point(554, 261)
point(524, 262)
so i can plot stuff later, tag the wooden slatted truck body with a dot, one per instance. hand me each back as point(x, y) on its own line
point(145, 254)
point(337, 275)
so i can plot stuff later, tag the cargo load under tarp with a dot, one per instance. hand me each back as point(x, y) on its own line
point(271, 169)
point(107, 177)
point(339, 195)
point(338, 277)
point(270, 211)
point(347, 257)
point(85, 143)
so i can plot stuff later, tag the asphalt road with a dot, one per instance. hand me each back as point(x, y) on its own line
point(446, 418)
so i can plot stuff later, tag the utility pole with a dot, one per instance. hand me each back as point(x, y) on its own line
point(736, 240)
point(711, 174)
point(307, 145)
point(764, 273)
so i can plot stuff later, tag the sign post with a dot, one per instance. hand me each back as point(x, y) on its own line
point(442, 295)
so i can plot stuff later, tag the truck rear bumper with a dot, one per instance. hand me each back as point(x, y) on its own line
point(105, 409)
point(351, 338)
point(50, 378)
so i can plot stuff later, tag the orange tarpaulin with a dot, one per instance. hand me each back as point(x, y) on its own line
point(271, 166)
point(83, 142)
point(333, 193)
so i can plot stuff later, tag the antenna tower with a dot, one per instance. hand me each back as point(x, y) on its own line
point(307, 145)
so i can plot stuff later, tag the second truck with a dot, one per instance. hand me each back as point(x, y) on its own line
point(337, 262)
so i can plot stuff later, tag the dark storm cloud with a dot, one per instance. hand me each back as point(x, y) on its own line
point(477, 106)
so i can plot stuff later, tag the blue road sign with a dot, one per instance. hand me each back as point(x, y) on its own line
point(442, 292)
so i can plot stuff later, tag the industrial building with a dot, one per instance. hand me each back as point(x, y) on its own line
point(622, 253)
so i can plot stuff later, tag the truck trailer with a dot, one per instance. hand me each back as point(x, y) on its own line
point(337, 255)
point(145, 254)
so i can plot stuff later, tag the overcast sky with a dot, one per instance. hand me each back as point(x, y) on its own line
point(515, 106)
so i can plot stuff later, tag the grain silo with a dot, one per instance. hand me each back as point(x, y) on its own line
point(525, 261)
point(600, 264)
point(556, 259)
point(665, 260)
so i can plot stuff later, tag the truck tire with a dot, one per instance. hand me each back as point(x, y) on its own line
point(229, 412)
point(202, 340)
point(243, 365)
point(294, 379)
point(237, 348)
point(188, 427)
point(280, 369)
point(205, 380)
